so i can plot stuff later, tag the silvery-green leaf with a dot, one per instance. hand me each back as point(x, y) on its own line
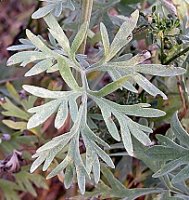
point(41, 12)
point(111, 87)
point(169, 167)
point(92, 150)
point(141, 110)
point(78, 40)
point(148, 86)
point(92, 161)
point(123, 57)
point(73, 107)
point(69, 4)
point(143, 128)
point(163, 153)
point(61, 140)
point(105, 39)
point(166, 195)
point(130, 63)
point(169, 143)
point(90, 154)
point(79, 165)
point(91, 123)
point(53, 69)
point(58, 9)
point(37, 162)
point(59, 168)
point(54, 147)
point(119, 191)
point(104, 156)
point(107, 116)
point(110, 123)
point(45, 93)
point(54, 43)
point(28, 56)
point(58, 33)
point(38, 43)
point(132, 66)
point(96, 169)
point(137, 130)
point(20, 47)
point(116, 74)
point(114, 183)
point(42, 113)
point(25, 41)
point(178, 130)
point(55, 7)
point(40, 67)
point(183, 175)
point(126, 135)
point(123, 36)
point(66, 74)
point(159, 70)
point(81, 178)
point(62, 115)
point(92, 136)
point(51, 155)
point(138, 134)
point(69, 173)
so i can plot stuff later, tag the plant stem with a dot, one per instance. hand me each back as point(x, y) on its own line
point(176, 56)
point(180, 84)
point(162, 50)
point(86, 11)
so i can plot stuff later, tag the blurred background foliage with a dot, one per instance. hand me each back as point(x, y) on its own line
point(162, 30)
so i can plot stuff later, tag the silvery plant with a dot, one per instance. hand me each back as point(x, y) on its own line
point(66, 55)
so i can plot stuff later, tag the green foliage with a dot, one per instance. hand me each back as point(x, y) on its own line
point(9, 189)
point(12, 133)
point(25, 182)
point(12, 138)
point(115, 189)
point(168, 160)
point(173, 153)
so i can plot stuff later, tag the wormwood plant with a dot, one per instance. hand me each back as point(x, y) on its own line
point(67, 56)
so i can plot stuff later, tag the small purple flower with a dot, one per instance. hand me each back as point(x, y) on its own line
point(11, 163)
point(6, 137)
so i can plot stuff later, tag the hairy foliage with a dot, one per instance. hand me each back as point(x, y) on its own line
point(126, 71)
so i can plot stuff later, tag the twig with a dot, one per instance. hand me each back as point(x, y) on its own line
point(181, 53)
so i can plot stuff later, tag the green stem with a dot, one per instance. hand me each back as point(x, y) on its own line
point(162, 50)
point(86, 11)
point(176, 56)
point(181, 86)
